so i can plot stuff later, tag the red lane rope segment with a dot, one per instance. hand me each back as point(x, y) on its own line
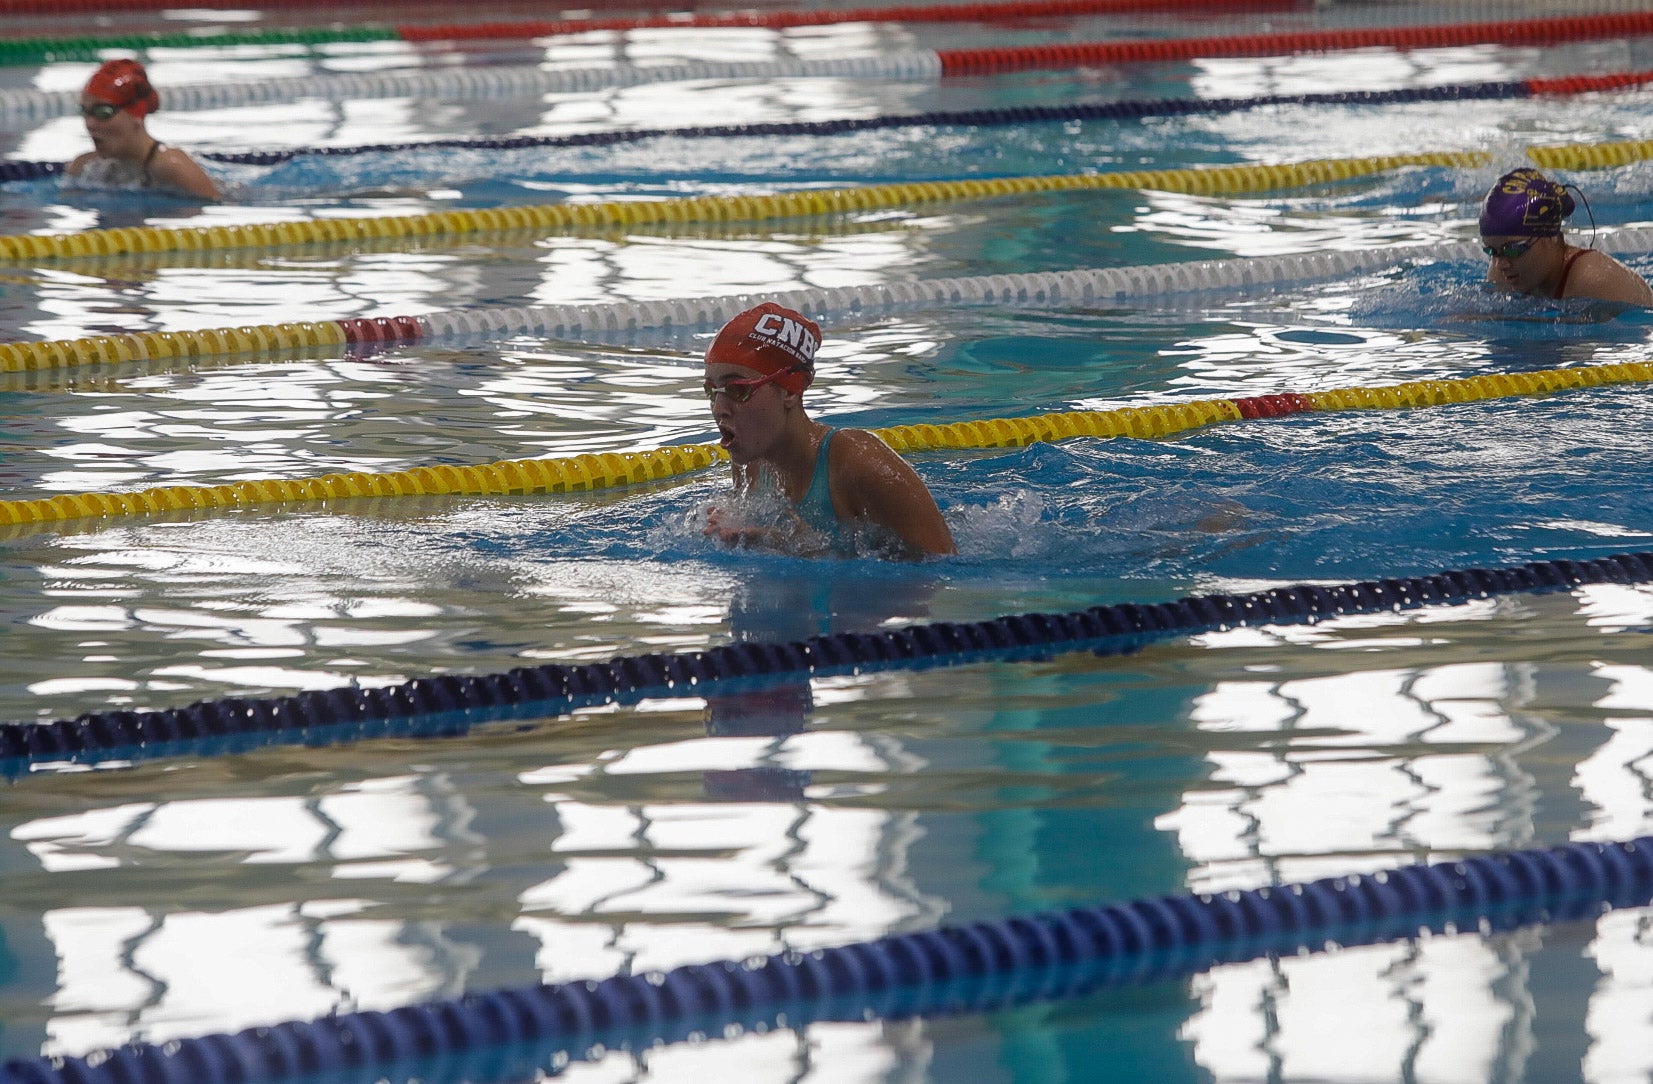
point(381, 329)
point(1583, 84)
point(1273, 406)
point(780, 20)
point(1504, 32)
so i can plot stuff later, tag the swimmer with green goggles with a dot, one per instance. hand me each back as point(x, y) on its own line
point(1521, 233)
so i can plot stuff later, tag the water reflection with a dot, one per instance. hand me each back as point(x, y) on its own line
point(692, 829)
point(1454, 758)
point(777, 610)
point(204, 893)
point(602, 861)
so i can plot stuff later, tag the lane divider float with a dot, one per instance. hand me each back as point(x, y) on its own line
point(585, 472)
point(595, 319)
point(1591, 155)
point(1513, 33)
point(603, 320)
point(980, 13)
point(449, 705)
point(667, 20)
point(1205, 180)
point(1128, 109)
point(534, 1032)
point(1208, 180)
point(483, 83)
point(919, 65)
point(1019, 116)
point(1124, 110)
point(36, 50)
point(594, 471)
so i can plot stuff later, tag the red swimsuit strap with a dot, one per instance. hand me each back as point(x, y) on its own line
point(1567, 269)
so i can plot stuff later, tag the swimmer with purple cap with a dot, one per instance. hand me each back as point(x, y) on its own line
point(114, 104)
point(1521, 232)
point(840, 491)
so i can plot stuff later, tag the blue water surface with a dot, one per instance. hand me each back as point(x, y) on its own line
point(217, 886)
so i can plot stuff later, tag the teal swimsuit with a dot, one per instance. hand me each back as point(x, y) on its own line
point(816, 507)
point(815, 510)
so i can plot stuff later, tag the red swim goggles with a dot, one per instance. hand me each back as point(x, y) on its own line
point(739, 391)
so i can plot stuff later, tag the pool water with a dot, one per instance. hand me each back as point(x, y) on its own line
point(180, 896)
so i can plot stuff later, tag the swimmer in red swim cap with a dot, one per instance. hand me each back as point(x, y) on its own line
point(125, 156)
point(836, 483)
point(1521, 232)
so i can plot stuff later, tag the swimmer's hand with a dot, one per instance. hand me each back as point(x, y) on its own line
point(733, 531)
point(729, 530)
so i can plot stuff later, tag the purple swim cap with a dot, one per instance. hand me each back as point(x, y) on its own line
point(1524, 203)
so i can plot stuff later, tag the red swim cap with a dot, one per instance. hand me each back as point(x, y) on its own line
point(125, 84)
point(770, 339)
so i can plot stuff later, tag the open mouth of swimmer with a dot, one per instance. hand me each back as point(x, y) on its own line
point(725, 435)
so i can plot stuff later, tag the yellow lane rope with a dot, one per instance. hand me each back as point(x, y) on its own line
point(168, 345)
point(1591, 155)
point(540, 219)
point(601, 470)
point(1210, 180)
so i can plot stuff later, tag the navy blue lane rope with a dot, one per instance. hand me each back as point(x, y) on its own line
point(29, 171)
point(1032, 114)
point(968, 968)
point(979, 118)
point(448, 705)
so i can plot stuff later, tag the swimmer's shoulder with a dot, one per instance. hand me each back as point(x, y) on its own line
point(857, 452)
point(1598, 275)
point(175, 169)
point(871, 480)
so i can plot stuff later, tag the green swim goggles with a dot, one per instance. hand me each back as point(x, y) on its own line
point(1510, 250)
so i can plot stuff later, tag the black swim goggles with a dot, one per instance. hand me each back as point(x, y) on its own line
point(100, 110)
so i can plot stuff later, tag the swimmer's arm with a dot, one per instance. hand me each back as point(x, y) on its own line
point(1607, 308)
point(79, 163)
point(729, 527)
point(176, 170)
point(876, 484)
